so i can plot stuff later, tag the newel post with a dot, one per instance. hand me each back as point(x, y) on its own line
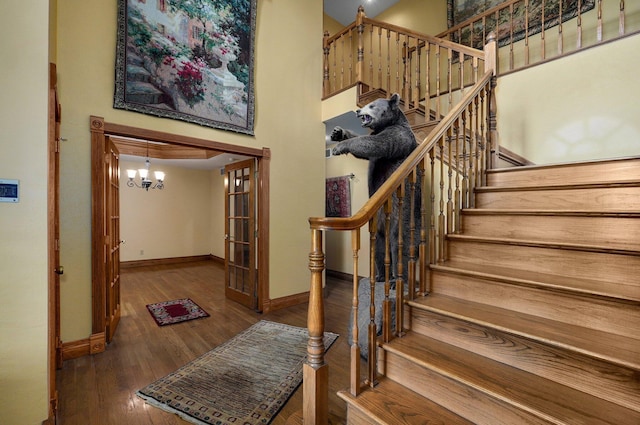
point(315, 404)
point(326, 86)
point(360, 61)
point(491, 62)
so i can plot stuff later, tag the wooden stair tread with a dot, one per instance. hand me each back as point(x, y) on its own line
point(545, 244)
point(559, 186)
point(524, 211)
point(394, 404)
point(590, 287)
point(616, 349)
point(549, 400)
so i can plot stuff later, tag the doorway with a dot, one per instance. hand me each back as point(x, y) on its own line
point(101, 132)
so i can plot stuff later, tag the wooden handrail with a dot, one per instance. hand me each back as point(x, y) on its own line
point(377, 200)
point(466, 127)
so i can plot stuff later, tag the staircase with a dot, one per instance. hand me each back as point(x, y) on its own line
point(534, 316)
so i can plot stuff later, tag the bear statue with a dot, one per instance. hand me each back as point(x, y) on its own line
point(389, 143)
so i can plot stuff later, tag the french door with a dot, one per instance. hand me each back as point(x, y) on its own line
point(240, 233)
point(112, 240)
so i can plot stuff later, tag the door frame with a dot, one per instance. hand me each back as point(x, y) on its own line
point(53, 241)
point(99, 128)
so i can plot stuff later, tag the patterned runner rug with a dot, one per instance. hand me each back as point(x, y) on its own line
point(245, 380)
point(176, 311)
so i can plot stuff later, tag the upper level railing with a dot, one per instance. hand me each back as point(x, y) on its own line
point(426, 71)
point(535, 31)
point(454, 86)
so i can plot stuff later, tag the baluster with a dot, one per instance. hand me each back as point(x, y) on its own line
point(388, 86)
point(449, 79)
point(413, 188)
point(398, 52)
point(371, 76)
point(492, 147)
point(473, 152)
point(372, 330)
point(432, 212)
point(461, 72)
point(599, 20)
point(326, 50)
point(355, 347)
point(360, 59)
point(511, 35)
point(452, 135)
point(342, 63)
point(466, 134)
point(483, 138)
point(441, 217)
point(316, 371)
point(456, 194)
point(542, 32)
point(560, 40)
point(526, 32)
point(351, 70)
point(380, 57)
point(579, 26)
point(438, 100)
point(406, 86)
point(418, 62)
point(401, 193)
point(386, 304)
point(427, 88)
point(621, 19)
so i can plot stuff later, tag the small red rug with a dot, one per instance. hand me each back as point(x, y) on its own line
point(176, 311)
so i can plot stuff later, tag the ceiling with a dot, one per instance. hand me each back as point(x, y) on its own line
point(344, 11)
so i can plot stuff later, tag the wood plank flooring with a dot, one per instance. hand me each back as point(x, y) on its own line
point(100, 389)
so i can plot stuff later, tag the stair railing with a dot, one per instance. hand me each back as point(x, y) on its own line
point(530, 32)
point(440, 175)
point(428, 72)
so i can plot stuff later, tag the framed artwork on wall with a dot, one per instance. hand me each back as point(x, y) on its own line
point(506, 26)
point(190, 60)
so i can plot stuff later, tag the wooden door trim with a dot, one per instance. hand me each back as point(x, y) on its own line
point(99, 128)
point(53, 243)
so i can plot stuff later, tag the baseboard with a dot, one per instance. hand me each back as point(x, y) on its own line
point(284, 302)
point(96, 343)
point(172, 260)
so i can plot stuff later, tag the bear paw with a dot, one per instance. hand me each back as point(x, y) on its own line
point(338, 134)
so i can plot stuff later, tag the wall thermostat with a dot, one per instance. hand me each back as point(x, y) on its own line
point(9, 190)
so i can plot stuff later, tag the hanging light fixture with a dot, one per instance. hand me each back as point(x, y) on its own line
point(145, 176)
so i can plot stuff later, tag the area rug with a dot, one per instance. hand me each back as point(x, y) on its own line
point(175, 311)
point(244, 381)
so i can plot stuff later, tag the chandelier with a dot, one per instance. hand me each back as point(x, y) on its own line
point(145, 180)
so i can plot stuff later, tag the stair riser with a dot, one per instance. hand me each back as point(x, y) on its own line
point(609, 316)
point(599, 378)
point(470, 403)
point(356, 417)
point(613, 232)
point(594, 199)
point(598, 172)
point(561, 262)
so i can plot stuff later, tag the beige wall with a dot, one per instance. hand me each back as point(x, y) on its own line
point(23, 225)
point(570, 110)
point(172, 222)
point(288, 78)
point(424, 16)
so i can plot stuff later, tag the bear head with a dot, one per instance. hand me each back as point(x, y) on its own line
point(381, 113)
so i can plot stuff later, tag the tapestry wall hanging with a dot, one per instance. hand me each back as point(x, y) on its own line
point(338, 197)
point(461, 10)
point(190, 60)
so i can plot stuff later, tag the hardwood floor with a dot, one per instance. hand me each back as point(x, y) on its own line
point(100, 389)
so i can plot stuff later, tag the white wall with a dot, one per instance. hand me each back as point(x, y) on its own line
point(172, 222)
